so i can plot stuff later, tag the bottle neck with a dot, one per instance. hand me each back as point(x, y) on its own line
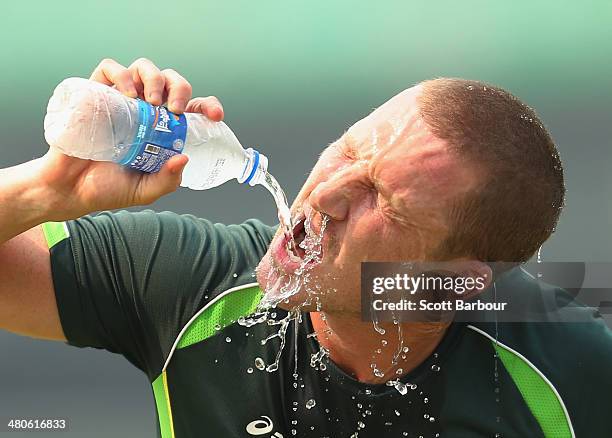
point(255, 168)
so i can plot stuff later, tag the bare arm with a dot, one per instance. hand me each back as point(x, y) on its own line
point(24, 259)
point(27, 298)
point(57, 187)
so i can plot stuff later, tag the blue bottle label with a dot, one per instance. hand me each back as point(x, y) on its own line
point(161, 135)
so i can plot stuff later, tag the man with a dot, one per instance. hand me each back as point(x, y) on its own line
point(448, 170)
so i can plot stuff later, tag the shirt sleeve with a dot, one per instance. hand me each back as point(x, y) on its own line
point(128, 282)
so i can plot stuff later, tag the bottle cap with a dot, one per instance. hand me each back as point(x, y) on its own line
point(256, 167)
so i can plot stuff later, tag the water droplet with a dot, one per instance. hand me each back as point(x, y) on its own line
point(425, 400)
point(310, 404)
point(399, 371)
point(217, 327)
point(397, 413)
point(228, 339)
point(360, 424)
point(235, 275)
point(399, 386)
point(250, 370)
point(368, 391)
point(406, 349)
point(384, 342)
point(426, 416)
point(435, 368)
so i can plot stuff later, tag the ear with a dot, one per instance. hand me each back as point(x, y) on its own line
point(481, 274)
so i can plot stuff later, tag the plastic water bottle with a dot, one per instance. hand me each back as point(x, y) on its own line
point(89, 120)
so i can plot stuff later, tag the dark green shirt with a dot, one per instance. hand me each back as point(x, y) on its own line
point(165, 291)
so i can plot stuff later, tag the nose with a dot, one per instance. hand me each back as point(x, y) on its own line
point(335, 195)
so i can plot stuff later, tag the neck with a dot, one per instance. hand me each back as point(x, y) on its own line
point(355, 345)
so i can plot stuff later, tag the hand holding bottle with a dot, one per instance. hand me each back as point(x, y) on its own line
point(74, 187)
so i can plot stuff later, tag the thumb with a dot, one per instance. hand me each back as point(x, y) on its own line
point(167, 180)
point(176, 165)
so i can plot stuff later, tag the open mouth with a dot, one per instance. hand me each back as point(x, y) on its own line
point(303, 246)
point(294, 248)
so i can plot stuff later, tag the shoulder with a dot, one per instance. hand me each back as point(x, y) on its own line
point(567, 353)
point(147, 227)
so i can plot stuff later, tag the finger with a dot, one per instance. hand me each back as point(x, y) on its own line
point(110, 72)
point(153, 81)
point(167, 180)
point(176, 165)
point(178, 90)
point(209, 106)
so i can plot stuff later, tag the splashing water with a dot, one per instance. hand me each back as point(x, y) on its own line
point(402, 388)
point(497, 389)
point(281, 334)
point(317, 359)
point(291, 284)
point(539, 260)
point(260, 364)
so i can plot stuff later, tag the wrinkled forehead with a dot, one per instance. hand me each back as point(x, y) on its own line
point(406, 162)
point(393, 120)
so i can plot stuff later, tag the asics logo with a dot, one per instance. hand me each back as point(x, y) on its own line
point(262, 426)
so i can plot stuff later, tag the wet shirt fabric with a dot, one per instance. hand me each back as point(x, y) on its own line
point(165, 291)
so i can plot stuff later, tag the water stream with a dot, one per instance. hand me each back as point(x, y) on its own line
point(284, 214)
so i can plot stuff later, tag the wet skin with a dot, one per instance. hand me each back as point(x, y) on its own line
point(386, 185)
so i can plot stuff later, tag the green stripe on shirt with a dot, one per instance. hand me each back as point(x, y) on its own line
point(55, 232)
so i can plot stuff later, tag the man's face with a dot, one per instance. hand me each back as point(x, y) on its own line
point(385, 185)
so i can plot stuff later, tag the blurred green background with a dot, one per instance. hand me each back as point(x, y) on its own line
point(293, 76)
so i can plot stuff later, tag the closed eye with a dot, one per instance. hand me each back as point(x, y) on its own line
point(345, 150)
